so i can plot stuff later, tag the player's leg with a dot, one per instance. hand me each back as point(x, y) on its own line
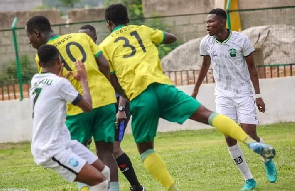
point(145, 118)
point(246, 111)
point(72, 167)
point(185, 107)
point(104, 136)
point(123, 161)
point(80, 127)
point(228, 107)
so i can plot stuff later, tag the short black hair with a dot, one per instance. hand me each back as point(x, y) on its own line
point(117, 13)
point(219, 13)
point(48, 54)
point(89, 27)
point(40, 23)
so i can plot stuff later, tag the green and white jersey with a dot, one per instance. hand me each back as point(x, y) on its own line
point(49, 94)
point(229, 66)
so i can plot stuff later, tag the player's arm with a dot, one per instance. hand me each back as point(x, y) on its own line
point(85, 102)
point(169, 38)
point(121, 114)
point(253, 73)
point(247, 51)
point(103, 65)
point(117, 86)
point(202, 74)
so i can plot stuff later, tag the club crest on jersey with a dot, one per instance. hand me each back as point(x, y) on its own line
point(232, 52)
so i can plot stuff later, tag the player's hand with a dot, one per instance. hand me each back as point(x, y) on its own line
point(121, 116)
point(195, 93)
point(260, 104)
point(80, 71)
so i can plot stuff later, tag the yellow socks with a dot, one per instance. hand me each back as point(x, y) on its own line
point(157, 168)
point(82, 186)
point(228, 127)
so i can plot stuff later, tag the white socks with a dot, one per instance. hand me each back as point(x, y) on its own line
point(104, 186)
point(239, 159)
point(106, 172)
point(261, 141)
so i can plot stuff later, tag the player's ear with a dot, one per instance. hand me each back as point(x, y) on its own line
point(37, 33)
point(127, 21)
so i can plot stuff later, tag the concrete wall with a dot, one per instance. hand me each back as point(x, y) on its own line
point(19, 5)
point(278, 94)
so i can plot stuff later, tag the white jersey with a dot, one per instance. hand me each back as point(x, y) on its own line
point(49, 94)
point(229, 66)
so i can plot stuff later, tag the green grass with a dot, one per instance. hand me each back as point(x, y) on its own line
point(197, 160)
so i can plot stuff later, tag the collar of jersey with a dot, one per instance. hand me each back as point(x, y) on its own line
point(118, 27)
point(225, 39)
point(52, 38)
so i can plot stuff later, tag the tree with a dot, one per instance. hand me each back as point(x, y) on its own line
point(70, 3)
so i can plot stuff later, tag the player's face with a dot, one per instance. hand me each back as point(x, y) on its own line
point(212, 25)
point(34, 38)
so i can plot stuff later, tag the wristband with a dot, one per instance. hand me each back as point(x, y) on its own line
point(257, 96)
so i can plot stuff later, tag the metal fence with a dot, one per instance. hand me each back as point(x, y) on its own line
point(17, 63)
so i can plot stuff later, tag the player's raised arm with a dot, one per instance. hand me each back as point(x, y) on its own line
point(85, 102)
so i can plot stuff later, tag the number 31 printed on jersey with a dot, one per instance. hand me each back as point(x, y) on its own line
point(128, 45)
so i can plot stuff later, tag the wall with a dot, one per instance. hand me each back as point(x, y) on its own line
point(278, 94)
point(7, 52)
point(179, 7)
point(20, 5)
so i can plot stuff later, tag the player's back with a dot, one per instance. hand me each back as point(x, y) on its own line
point(49, 115)
point(79, 46)
point(133, 55)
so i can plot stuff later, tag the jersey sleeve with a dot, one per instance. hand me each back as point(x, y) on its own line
point(96, 50)
point(68, 92)
point(203, 51)
point(156, 35)
point(248, 48)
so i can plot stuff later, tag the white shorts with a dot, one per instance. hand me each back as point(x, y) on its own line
point(69, 162)
point(239, 109)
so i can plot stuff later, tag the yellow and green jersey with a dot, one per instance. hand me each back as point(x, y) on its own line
point(134, 58)
point(79, 46)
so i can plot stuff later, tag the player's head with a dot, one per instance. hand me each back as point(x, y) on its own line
point(36, 29)
point(90, 31)
point(216, 21)
point(49, 58)
point(116, 15)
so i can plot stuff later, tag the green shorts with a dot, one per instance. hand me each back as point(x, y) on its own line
point(159, 101)
point(99, 124)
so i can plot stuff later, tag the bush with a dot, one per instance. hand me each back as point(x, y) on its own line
point(27, 68)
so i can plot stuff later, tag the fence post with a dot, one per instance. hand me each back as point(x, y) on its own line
point(19, 76)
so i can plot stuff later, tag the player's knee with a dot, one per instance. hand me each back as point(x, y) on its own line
point(106, 172)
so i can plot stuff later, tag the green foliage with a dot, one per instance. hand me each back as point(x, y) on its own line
point(40, 7)
point(70, 3)
point(9, 74)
